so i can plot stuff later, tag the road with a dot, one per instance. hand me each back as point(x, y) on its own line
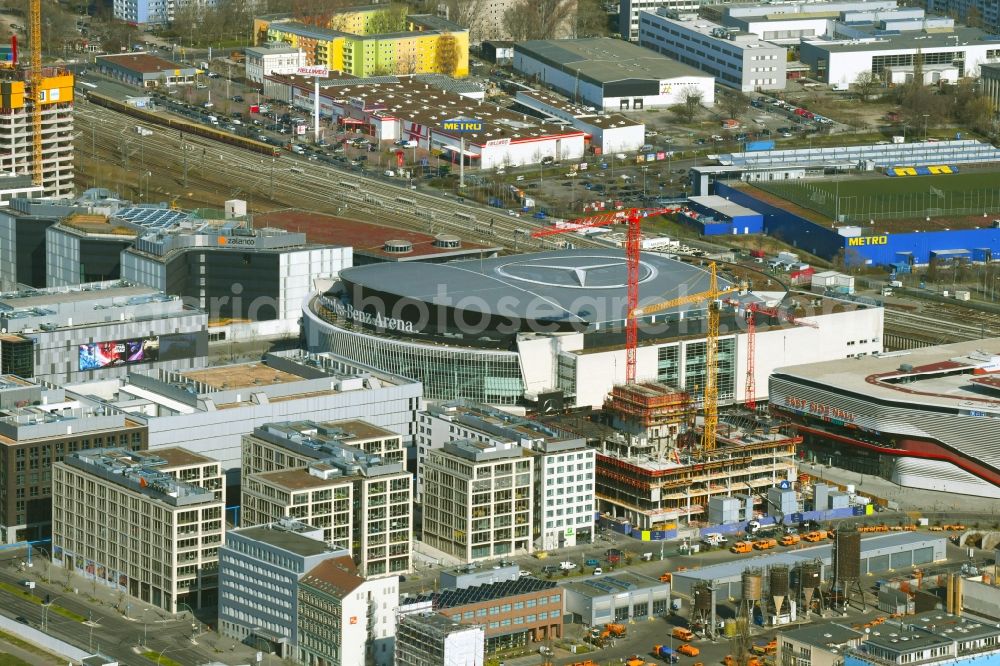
point(111, 633)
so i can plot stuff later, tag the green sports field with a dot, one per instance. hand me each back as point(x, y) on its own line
point(893, 198)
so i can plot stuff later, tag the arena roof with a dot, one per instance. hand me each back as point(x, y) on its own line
point(573, 286)
point(605, 60)
point(936, 376)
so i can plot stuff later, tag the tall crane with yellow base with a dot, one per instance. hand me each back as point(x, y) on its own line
point(712, 295)
point(35, 84)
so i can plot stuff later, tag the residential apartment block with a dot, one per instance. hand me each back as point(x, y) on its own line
point(361, 499)
point(563, 465)
point(39, 426)
point(125, 520)
point(345, 619)
point(429, 639)
point(735, 58)
point(259, 572)
point(373, 40)
point(16, 128)
point(479, 499)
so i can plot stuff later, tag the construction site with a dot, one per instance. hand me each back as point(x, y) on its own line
point(36, 115)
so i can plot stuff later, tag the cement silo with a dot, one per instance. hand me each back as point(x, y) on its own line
point(846, 568)
point(777, 588)
point(703, 609)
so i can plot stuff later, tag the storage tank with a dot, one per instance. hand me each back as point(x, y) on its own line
point(703, 599)
point(753, 585)
point(810, 577)
point(847, 556)
point(778, 586)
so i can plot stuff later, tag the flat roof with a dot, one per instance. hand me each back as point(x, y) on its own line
point(488, 592)
point(953, 39)
point(285, 539)
point(959, 627)
point(582, 112)
point(96, 224)
point(905, 639)
point(366, 239)
point(605, 60)
point(143, 63)
point(246, 375)
point(34, 298)
point(300, 479)
point(734, 569)
point(723, 205)
point(824, 635)
point(613, 584)
point(931, 376)
point(177, 457)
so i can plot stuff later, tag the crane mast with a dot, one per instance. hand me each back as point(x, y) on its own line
point(35, 84)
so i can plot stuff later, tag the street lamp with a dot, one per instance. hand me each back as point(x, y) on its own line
point(160, 655)
point(925, 116)
point(93, 623)
point(45, 613)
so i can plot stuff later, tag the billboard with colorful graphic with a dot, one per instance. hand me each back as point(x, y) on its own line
point(114, 353)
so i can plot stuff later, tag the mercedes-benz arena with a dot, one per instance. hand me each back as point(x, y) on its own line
point(928, 418)
point(502, 329)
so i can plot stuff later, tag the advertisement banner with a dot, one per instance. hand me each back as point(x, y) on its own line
point(313, 70)
point(97, 355)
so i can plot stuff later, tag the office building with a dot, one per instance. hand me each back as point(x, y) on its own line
point(429, 639)
point(513, 614)
point(821, 644)
point(278, 446)
point(975, 13)
point(989, 76)
point(564, 466)
point(16, 127)
point(929, 638)
point(736, 59)
point(345, 619)
point(478, 499)
point(259, 572)
point(101, 331)
point(371, 40)
point(611, 75)
point(211, 409)
point(361, 501)
point(250, 282)
point(125, 520)
point(84, 248)
point(40, 425)
point(272, 58)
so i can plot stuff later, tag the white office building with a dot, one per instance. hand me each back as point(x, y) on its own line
point(272, 58)
point(736, 59)
point(429, 639)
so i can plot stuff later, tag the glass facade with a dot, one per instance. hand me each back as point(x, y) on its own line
point(448, 373)
point(692, 379)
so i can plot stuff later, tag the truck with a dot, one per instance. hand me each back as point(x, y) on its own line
point(682, 634)
point(741, 547)
point(713, 539)
point(765, 544)
point(689, 650)
point(567, 566)
point(790, 539)
point(814, 536)
point(142, 131)
point(666, 653)
point(616, 630)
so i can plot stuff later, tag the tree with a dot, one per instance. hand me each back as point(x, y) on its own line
point(390, 20)
point(591, 19)
point(470, 14)
point(734, 103)
point(446, 55)
point(866, 84)
point(539, 19)
point(689, 105)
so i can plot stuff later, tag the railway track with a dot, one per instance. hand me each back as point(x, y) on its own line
point(312, 185)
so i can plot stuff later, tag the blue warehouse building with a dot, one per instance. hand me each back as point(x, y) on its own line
point(715, 215)
point(859, 245)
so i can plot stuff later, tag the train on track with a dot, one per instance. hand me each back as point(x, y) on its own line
point(184, 126)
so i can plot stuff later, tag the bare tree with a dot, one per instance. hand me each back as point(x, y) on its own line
point(473, 15)
point(591, 19)
point(690, 103)
point(734, 103)
point(539, 19)
point(866, 83)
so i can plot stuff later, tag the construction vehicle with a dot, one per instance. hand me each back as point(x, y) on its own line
point(682, 634)
point(635, 660)
point(813, 537)
point(741, 547)
point(729, 661)
point(790, 539)
point(615, 630)
point(665, 577)
point(666, 653)
point(689, 650)
point(765, 647)
point(765, 544)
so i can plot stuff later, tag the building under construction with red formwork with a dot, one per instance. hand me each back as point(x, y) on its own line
point(651, 493)
point(650, 417)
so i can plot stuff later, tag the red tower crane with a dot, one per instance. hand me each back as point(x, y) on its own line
point(633, 218)
point(752, 310)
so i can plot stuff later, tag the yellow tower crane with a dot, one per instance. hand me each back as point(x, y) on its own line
point(712, 295)
point(35, 83)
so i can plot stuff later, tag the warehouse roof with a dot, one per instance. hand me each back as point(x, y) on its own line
point(723, 206)
point(605, 60)
point(959, 36)
point(824, 635)
point(614, 584)
point(143, 63)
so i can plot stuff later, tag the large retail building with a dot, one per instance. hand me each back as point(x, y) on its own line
point(927, 418)
point(500, 330)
